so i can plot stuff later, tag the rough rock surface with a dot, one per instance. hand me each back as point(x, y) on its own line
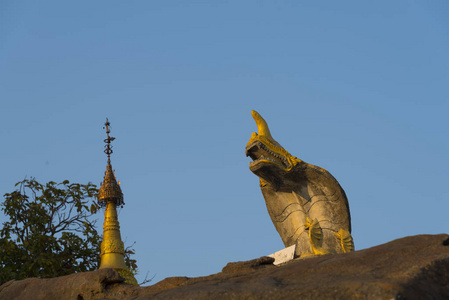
point(414, 267)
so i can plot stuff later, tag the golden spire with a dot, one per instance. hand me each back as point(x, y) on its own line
point(110, 195)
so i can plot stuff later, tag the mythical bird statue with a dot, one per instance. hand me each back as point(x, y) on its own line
point(307, 205)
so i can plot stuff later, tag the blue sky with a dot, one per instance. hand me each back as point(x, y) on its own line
point(358, 88)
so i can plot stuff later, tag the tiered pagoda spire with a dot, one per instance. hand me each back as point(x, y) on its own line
point(110, 196)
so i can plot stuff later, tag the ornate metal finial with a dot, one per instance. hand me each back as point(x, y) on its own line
point(110, 190)
point(108, 146)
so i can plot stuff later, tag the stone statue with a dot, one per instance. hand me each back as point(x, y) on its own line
point(307, 205)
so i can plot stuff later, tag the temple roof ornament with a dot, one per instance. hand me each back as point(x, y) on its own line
point(112, 252)
point(307, 205)
point(110, 190)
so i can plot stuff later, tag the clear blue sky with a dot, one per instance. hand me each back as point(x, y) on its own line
point(357, 87)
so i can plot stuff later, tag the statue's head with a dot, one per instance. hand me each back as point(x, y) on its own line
point(271, 162)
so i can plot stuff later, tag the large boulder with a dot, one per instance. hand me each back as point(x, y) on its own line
point(414, 267)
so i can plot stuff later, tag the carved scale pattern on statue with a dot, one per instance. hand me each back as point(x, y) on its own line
point(307, 205)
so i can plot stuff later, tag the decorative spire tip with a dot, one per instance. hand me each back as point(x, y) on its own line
point(108, 140)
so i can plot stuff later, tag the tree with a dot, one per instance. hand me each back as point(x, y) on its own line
point(50, 231)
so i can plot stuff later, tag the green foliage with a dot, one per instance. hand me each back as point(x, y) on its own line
point(129, 261)
point(50, 232)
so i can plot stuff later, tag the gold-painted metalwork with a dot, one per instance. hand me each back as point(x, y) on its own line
point(110, 195)
point(110, 190)
point(112, 248)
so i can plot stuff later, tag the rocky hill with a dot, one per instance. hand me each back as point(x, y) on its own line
point(415, 267)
